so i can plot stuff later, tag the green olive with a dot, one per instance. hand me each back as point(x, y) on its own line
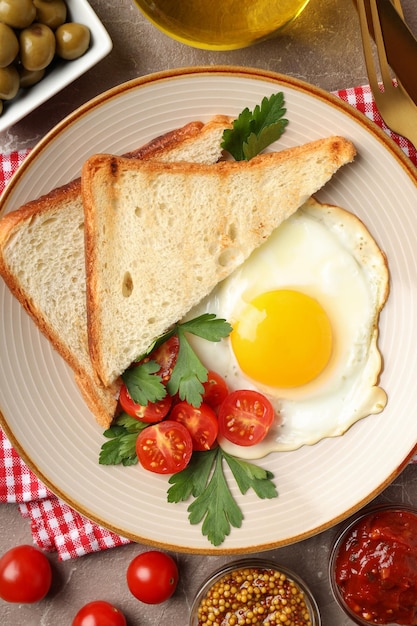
point(30, 77)
point(9, 82)
point(53, 13)
point(9, 45)
point(72, 40)
point(37, 46)
point(17, 13)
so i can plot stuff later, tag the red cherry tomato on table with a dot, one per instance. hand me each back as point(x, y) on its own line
point(215, 390)
point(150, 413)
point(245, 417)
point(25, 575)
point(99, 613)
point(164, 448)
point(152, 577)
point(200, 422)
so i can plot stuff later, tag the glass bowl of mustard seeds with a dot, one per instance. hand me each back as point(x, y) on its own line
point(254, 591)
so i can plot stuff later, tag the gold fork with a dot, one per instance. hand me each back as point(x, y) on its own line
point(394, 104)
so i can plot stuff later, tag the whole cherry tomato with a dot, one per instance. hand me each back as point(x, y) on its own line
point(152, 576)
point(99, 613)
point(25, 575)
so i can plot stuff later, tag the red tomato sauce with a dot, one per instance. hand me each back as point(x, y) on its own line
point(376, 568)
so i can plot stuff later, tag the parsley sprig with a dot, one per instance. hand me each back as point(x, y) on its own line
point(253, 131)
point(203, 479)
point(214, 505)
point(188, 375)
point(121, 447)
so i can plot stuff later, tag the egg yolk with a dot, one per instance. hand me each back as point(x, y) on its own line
point(282, 339)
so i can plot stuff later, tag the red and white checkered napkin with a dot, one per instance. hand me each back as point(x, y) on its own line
point(361, 98)
point(54, 525)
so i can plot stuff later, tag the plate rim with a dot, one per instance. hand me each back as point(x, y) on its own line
point(234, 70)
point(139, 82)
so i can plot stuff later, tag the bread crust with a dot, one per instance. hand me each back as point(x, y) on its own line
point(10, 224)
point(101, 400)
point(207, 217)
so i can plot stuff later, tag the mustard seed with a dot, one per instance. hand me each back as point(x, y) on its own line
point(254, 596)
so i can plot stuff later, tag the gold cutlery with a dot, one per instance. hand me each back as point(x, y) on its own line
point(395, 105)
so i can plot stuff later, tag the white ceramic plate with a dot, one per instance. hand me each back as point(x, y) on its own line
point(43, 413)
point(63, 72)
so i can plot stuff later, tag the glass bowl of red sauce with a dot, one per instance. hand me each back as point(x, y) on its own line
point(373, 566)
point(254, 591)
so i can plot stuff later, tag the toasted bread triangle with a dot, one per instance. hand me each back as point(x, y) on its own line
point(159, 237)
point(42, 258)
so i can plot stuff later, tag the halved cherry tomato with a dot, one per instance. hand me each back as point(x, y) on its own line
point(166, 356)
point(215, 390)
point(150, 413)
point(99, 613)
point(25, 575)
point(164, 448)
point(152, 576)
point(245, 417)
point(200, 422)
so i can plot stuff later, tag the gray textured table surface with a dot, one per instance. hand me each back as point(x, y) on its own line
point(323, 47)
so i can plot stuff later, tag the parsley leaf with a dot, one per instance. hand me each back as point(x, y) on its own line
point(207, 326)
point(121, 447)
point(216, 507)
point(189, 373)
point(248, 475)
point(193, 479)
point(214, 504)
point(253, 131)
point(143, 384)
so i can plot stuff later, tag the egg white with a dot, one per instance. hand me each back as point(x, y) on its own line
point(328, 254)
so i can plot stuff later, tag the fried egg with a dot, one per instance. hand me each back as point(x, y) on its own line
point(304, 309)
